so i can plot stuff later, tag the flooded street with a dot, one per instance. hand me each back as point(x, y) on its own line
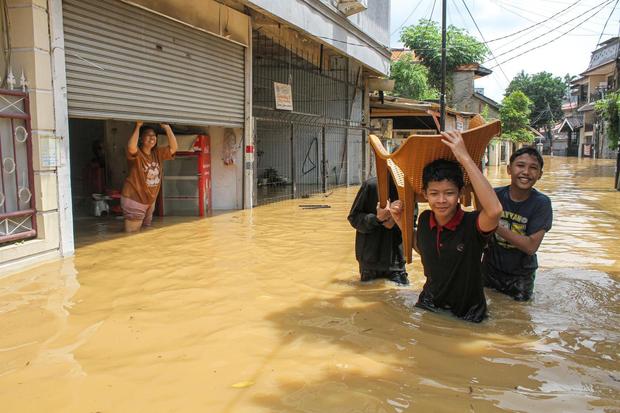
point(262, 311)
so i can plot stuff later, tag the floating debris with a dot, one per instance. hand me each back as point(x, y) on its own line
point(314, 206)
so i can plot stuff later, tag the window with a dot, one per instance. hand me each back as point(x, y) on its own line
point(17, 213)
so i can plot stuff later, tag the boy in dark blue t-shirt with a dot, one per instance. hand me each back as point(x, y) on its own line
point(510, 263)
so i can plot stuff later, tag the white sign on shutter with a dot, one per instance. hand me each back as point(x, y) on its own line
point(284, 96)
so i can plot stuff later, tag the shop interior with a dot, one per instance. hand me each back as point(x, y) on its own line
point(204, 178)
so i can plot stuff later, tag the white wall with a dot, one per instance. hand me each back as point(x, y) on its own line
point(227, 180)
point(320, 20)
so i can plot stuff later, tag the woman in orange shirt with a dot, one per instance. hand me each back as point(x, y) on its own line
point(145, 174)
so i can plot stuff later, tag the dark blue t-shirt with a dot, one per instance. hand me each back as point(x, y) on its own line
point(524, 218)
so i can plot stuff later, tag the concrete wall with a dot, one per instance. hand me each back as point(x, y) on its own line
point(227, 180)
point(497, 148)
point(375, 20)
point(30, 52)
point(462, 91)
point(321, 20)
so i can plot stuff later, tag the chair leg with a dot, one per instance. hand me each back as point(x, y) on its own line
point(408, 200)
point(383, 184)
point(474, 201)
point(466, 197)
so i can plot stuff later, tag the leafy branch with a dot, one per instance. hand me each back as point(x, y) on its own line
point(609, 110)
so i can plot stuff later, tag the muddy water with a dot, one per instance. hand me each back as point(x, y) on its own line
point(260, 311)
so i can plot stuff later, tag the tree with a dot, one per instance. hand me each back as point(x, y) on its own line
point(609, 110)
point(425, 39)
point(515, 116)
point(545, 91)
point(568, 79)
point(411, 79)
point(485, 113)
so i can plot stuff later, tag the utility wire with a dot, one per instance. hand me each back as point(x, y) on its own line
point(534, 25)
point(482, 36)
point(601, 6)
point(363, 45)
point(407, 18)
point(607, 21)
point(433, 10)
point(460, 14)
point(506, 7)
point(552, 40)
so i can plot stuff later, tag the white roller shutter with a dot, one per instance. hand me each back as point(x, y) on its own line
point(126, 63)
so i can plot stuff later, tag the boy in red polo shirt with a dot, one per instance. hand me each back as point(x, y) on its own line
point(451, 241)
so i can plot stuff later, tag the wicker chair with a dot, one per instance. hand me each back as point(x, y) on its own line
point(417, 151)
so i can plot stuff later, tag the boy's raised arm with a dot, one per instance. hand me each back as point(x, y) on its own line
point(491, 207)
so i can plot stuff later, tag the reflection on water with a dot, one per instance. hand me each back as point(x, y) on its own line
point(261, 311)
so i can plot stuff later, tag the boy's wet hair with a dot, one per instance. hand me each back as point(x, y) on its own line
point(443, 170)
point(528, 150)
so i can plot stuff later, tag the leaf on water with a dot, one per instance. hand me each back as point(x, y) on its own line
point(243, 384)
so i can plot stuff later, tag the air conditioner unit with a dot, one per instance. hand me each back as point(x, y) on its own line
point(350, 7)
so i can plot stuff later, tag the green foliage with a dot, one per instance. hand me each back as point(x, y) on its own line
point(515, 116)
point(568, 78)
point(521, 135)
point(411, 79)
point(485, 113)
point(609, 110)
point(545, 91)
point(425, 39)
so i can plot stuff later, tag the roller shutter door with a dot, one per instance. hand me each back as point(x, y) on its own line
point(127, 63)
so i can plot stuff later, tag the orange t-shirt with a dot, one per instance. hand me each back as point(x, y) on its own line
point(145, 175)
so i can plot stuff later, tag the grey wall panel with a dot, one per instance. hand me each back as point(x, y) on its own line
point(354, 154)
point(126, 63)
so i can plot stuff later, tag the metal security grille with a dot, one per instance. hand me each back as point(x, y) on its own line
point(307, 157)
point(17, 204)
point(312, 148)
point(273, 160)
point(126, 63)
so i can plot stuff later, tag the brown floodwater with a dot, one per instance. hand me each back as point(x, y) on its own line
point(261, 311)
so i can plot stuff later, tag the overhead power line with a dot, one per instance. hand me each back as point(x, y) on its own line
point(555, 38)
point(607, 21)
point(460, 14)
point(600, 6)
point(536, 24)
point(432, 10)
point(506, 7)
point(407, 18)
point(482, 36)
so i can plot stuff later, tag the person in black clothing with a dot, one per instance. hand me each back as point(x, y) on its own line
point(509, 264)
point(378, 241)
point(449, 240)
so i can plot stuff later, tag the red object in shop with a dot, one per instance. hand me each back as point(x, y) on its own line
point(202, 153)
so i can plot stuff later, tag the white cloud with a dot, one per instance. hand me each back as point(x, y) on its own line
point(497, 18)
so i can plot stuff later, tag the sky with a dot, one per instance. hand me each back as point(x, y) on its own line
point(570, 53)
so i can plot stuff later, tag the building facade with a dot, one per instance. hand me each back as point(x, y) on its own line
point(257, 78)
point(599, 79)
